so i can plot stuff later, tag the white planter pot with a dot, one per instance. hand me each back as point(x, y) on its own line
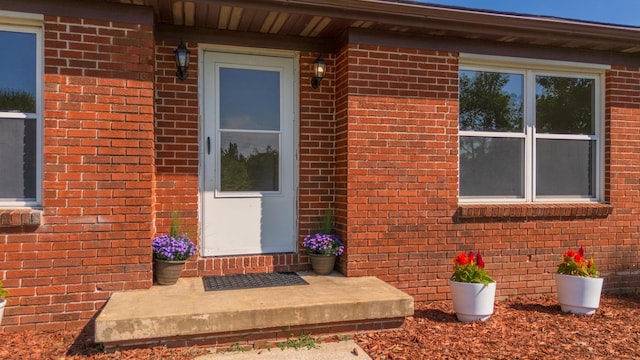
point(3, 302)
point(472, 302)
point(578, 294)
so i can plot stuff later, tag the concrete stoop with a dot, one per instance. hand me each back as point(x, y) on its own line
point(185, 314)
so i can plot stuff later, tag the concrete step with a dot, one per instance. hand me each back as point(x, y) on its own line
point(185, 311)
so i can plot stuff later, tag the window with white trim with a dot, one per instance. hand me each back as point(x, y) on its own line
point(20, 114)
point(530, 132)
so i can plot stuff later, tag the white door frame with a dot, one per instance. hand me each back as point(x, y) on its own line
point(202, 97)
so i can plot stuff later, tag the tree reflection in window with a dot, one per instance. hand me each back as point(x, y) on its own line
point(491, 101)
point(15, 100)
point(565, 105)
point(18, 134)
point(258, 171)
point(490, 164)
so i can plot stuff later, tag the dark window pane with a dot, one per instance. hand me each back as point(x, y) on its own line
point(249, 99)
point(18, 72)
point(249, 161)
point(565, 167)
point(565, 105)
point(18, 159)
point(491, 101)
point(491, 166)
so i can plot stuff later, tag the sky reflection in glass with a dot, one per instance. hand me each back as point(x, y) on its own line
point(18, 70)
point(250, 99)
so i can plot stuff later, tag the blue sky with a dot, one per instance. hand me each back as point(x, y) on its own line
point(623, 12)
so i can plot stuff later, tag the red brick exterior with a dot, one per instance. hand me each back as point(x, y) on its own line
point(397, 172)
point(400, 150)
point(176, 144)
point(378, 141)
point(97, 218)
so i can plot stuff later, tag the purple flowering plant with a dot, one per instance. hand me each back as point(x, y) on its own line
point(323, 244)
point(174, 246)
point(166, 247)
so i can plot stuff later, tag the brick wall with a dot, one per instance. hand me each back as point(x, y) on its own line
point(176, 144)
point(401, 163)
point(316, 192)
point(622, 167)
point(397, 152)
point(96, 221)
point(341, 152)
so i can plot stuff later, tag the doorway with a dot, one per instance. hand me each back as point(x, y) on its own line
point(248, 154)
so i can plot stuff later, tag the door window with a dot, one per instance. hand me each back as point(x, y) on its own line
point(249, 130)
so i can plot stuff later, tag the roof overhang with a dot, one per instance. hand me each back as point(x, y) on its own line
point(330, 19)
point(325, 25)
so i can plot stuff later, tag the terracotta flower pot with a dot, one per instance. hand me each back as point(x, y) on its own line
point(167, 272)
point(322, 264)
point(578, 294)
point(472, 302)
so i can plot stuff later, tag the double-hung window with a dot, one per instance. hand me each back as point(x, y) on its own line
point(20, 113)
point(529, 132)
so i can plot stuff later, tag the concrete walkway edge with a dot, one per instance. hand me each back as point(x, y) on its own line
point(343, 350)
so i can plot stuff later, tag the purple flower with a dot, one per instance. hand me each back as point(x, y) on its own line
point(166, 247)
point(323, 244)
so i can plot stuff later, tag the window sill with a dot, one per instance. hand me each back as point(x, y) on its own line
point(534, 211)
point(20, 217)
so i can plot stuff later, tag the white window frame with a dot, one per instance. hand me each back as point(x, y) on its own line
point(33, 24)
point(530, 68)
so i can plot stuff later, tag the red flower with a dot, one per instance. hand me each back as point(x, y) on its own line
point(469, 268)
point(578, 258)
point(576, 264)
point(479, 260)
point(461, 259)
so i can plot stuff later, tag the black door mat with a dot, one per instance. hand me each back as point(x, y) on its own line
point(251, 281)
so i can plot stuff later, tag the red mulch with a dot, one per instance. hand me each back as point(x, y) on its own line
point(520, 328)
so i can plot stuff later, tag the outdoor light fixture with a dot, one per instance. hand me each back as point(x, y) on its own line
point(318, 72)
point(182, 61)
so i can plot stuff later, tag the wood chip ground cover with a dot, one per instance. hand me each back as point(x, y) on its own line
point(520, 328)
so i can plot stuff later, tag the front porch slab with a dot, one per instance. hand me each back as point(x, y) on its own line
point(185, 310)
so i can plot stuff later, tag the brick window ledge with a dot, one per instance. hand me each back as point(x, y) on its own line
point(534, 211)
point(20, 217)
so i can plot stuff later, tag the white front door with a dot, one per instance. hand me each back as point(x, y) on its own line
point(249, 154)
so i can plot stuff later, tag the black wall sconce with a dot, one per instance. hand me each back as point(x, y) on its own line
point(182, 61)
point(319, 68)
